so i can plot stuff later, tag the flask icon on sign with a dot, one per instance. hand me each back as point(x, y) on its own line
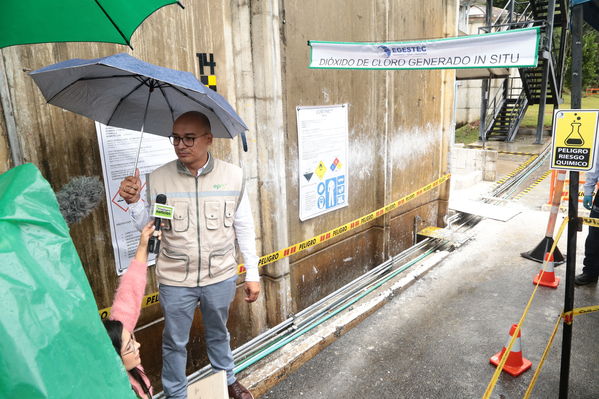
point(575, 139)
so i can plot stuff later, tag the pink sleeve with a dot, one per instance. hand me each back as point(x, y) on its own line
point(127, 300)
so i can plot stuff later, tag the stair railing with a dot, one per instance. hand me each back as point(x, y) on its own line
point(521, 19)
point(494, 108)
point(526, 14)
point(519, 112)
point(518, 109)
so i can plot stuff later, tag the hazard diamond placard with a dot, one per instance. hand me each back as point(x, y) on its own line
point(574, 139)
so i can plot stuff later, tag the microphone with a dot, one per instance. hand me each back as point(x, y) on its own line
point(79, 197)
point(154, 243)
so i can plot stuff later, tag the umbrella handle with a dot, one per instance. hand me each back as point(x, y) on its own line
point(244, 141)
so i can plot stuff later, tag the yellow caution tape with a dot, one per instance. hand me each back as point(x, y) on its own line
point(590, 221)
point(567, 316)
point(517, 153)
point(533, 185)
point(302, 246)
point(566, 194)
point(517, 170)
point(533, 381)
point(508, 349)
point(502, 152)
point(148, 300)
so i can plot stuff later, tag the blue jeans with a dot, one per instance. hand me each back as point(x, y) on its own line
point(591, 245)
point(178, 305)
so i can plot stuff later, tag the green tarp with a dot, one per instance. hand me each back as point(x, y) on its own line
point(52, 342)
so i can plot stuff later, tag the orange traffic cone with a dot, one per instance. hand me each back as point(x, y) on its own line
point(515, 364)
point(548, 279)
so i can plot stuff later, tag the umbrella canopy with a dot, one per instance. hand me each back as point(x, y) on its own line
point(122, 91)
point(43, 21)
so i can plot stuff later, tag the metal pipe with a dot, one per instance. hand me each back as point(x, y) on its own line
point(577, 22)
point(514, 180)
point(304, 326)
point(546, 66)
point(300, 323)
point(485, 83)
point(270, 350)
point(375, 270)
point(511, 14)
point(204, 371)
point(525, 173)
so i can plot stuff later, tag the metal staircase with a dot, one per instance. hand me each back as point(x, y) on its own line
point(507, 109)
point(540, 85)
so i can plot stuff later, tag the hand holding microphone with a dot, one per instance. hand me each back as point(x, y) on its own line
point(142, 248)
point(154, 243)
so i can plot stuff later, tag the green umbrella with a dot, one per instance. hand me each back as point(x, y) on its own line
point(45, 21)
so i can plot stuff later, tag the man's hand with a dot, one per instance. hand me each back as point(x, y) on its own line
point(130, 188)
point(587, 201)
point(252, 289)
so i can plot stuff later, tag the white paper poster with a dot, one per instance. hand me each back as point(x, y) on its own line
point(323, 165)
point(118, 149)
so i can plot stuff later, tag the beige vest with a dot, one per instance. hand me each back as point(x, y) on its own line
point(198, 248)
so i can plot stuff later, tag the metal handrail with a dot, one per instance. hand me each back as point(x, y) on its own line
point(514, 25)
point(505, 13)
point(493, 108)
point(522, 19)
point(499, 99)
point(502, 12)
point(526, 14)
point(517, 114)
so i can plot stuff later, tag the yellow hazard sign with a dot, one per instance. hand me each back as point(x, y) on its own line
point(320, 170)
point(574, 139)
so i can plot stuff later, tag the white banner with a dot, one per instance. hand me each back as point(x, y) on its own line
point(516, 48)
point(118, 148)
point(322, 133)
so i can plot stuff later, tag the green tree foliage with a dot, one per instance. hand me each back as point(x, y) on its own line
point(519, 6)
point(590, 59)
point(590, 49)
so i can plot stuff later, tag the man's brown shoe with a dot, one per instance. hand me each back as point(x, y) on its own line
point(238, 391)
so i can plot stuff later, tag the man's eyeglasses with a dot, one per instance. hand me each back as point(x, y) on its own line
point(130, 348)
point(187, 141)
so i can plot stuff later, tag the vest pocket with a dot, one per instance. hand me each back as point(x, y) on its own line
point(212, 213)
point(221, 260)
point(229, 213)
point(171, 265)
point(181, 216)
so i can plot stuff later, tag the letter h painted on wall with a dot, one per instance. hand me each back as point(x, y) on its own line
point(207, 65)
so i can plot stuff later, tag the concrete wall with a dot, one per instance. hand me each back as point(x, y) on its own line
point(470, 166)
point(400, 125)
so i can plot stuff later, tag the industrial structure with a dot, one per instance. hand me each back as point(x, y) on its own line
point(255, 55)
point(503, 108)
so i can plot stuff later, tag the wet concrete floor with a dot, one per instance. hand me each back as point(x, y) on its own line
point(435, 339)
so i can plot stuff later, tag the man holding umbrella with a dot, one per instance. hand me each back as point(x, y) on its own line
point(197, 262)
point(197, 256)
